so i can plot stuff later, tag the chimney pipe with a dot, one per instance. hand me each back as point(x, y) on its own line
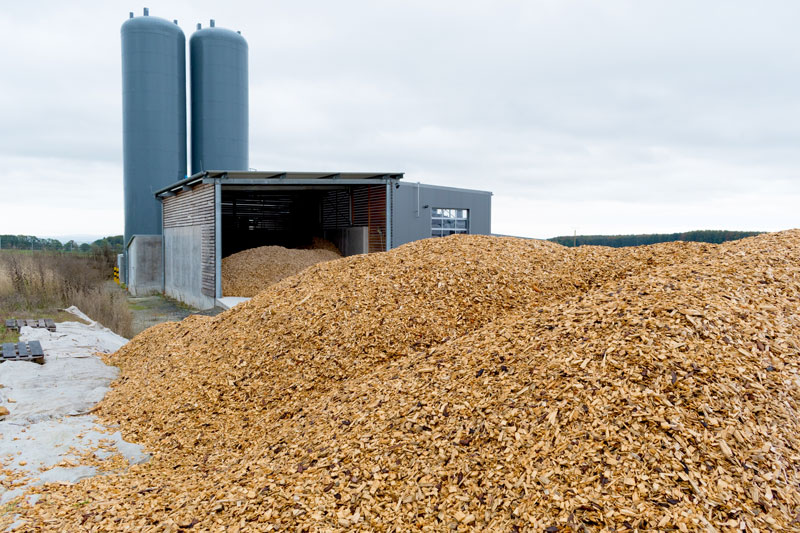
point(147, 12)
point(212, 23)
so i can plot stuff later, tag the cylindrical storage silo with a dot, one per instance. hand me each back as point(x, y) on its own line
point(153, 117)
point(218, 59)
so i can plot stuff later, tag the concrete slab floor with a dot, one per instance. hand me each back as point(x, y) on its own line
point(226, 302)
point(151, 310)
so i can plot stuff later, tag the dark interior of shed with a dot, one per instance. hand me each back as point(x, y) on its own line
point(268, 218)
point(281, 217)
point(292, 216)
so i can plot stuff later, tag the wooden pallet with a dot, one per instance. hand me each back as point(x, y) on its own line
point(23, 351)
point(15, 324)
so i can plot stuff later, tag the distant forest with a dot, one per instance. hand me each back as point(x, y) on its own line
point(618, 241)
point(105, 245)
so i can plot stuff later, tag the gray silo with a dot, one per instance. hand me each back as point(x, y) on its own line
point(153, 117)
point(219, 100)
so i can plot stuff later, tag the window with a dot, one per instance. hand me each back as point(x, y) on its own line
point(449, 221)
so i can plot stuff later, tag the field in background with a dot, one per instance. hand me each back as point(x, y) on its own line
point(619, 241)
point(109, 245)
point(38, 284)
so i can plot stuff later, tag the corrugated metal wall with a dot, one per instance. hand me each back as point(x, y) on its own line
point(196, 208)
point(412, 205)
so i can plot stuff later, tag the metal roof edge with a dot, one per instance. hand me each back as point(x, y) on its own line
point(268, 175)
point(445, 187)
point(257, 174)
point(178, 184)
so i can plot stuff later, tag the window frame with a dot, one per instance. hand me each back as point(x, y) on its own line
point(449, 216)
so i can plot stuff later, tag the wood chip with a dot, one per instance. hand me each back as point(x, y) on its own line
point(488, 383)
point(249, 272)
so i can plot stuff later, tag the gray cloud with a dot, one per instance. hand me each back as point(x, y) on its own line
point(614, 116)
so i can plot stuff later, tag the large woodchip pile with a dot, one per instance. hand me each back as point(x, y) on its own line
point(251, 271)
point(470, 383)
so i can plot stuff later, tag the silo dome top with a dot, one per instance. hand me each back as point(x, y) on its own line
point(151, 24)
point(219, 34)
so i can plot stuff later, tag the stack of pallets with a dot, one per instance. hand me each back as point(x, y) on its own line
point(15, 324)
point(23, 351)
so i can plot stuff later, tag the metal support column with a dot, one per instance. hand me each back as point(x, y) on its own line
point(218, 238)
point(163, 250)
point(388, 214)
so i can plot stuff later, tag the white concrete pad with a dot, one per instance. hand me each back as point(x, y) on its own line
point(226, 302)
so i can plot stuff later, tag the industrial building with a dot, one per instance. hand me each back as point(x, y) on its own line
point(178, 227)
point(214, 214)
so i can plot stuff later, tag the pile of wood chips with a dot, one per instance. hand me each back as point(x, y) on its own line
point(251, 271)
point(469, 383)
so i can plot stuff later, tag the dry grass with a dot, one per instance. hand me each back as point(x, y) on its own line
point(108, 307)
point(40, 283)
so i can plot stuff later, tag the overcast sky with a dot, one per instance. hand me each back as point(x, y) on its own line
point(603, 117)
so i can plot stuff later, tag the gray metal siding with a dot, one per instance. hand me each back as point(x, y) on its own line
point(153, 117)
point(411, 224)
point(219, 85)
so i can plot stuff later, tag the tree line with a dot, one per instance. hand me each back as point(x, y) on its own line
point(106, 245)
point(618, 241)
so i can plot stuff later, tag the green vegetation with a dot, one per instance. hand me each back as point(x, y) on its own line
point(106, 245)
point(6, 335)
point(618, 241)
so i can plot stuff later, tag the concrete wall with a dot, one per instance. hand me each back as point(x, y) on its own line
point(350, 241)
point(411, 220)
point(183, 268)
point(190, 254)
point(144, 270)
